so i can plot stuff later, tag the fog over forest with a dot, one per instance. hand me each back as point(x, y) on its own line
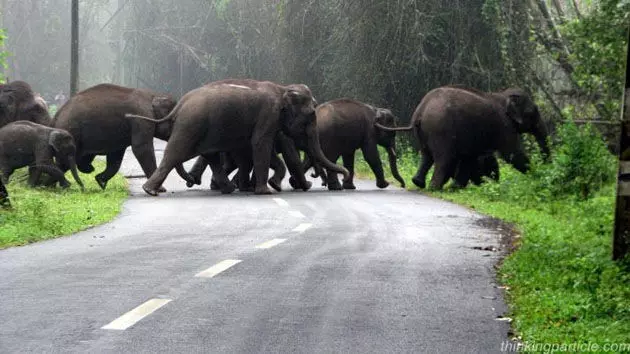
point(389, 53)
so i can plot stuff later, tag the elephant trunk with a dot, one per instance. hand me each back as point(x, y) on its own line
point(75, 174)
point(540, 133)
point(315, 150)
point(393, 165)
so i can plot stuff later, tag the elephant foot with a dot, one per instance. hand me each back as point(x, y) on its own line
point(149, 191)
point(65, 185)
point(294, 184)
point(349, 185)
point(162, 190)
point(263, 190)
point(277, 185)
point(382, 184)
point(214, 186)
point(307, 186)
point(335, 187)
point(228, 188)
point(100, 182)
point(418, 182)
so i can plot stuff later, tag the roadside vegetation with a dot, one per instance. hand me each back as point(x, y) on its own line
point(43, 213)
point(563, 286)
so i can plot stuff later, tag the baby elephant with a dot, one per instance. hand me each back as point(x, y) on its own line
point(24, 143)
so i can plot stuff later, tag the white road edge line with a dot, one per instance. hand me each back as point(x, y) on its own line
point(271, 243)
point(281, 202)
point(218, 268)
point(302, 227)
point(132, 317)
point(296, 213)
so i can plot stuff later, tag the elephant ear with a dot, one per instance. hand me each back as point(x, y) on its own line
point(162, 106)
point(513, 109)
point(55, 140)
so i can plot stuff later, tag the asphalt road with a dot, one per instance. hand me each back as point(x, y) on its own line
point(365, 271)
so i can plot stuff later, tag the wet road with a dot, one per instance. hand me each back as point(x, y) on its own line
point(365, 271)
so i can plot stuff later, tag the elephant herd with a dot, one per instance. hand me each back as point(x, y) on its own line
point(243, 124)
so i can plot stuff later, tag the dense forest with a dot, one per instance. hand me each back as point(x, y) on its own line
point(569, 53)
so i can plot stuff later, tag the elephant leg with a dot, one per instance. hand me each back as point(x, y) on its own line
point(34, 175)
point(114, 160)
point(294, 164)
point(244, 163)
point(280, 171)
point(331, 177)
point(444, 169)
point(370, 153)
point(218, 173)
point(262, 146)
point(466, 170)
point(421, 175)
point(145, 154)
point(84, 164)
point(4, 196)
point(197, 171)
point(348, 163)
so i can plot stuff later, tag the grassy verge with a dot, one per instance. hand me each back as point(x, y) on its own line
point(563, 286)
point(43, 213)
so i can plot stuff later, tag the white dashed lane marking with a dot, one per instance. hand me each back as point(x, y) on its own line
point(132, 317)
point(281, 202)
point(218, 268)
point(271, 243)
point(302, 227)
point(296, 213)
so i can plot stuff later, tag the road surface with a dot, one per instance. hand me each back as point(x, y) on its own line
point(365, 271)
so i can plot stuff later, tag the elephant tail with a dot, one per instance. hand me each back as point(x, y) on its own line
point(136, 116)
point(394, 129)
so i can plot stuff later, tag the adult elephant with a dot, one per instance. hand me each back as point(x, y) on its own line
point(24, 143)
point(229, 117)
point(455, 125)
point(19, 102)
point(346, 125)
point(282, 145)
point(96, 119)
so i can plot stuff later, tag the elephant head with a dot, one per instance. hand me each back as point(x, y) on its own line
point(19, 102)
point(525, 115)
point(387, 139)
point(62, 143)
point(162, 106)
point(300, 123)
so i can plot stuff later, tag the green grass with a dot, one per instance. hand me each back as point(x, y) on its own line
point(563, 286)
point(43, 213)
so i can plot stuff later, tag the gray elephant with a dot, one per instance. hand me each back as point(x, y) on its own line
point(96, 119)
point(234, 118)
point(483, 166)
point(346, 125)
point(283, 145)
point(19, 102)
point(25, 143)
point(455, 125)
point(5, 202)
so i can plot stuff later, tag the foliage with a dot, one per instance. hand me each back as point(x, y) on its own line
point(598, 43)
point(42, 213)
